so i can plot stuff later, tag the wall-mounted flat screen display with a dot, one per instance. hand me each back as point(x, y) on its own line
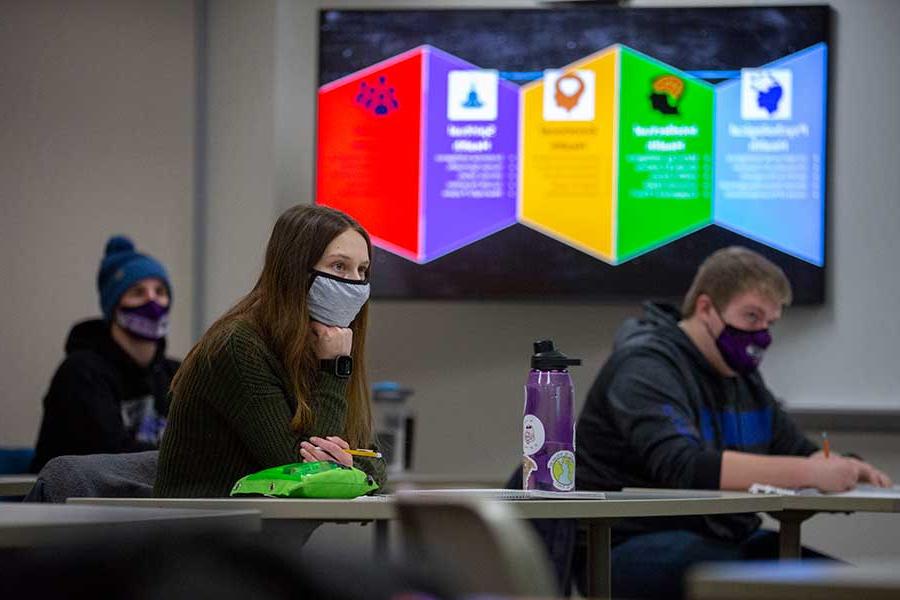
point(579, 153)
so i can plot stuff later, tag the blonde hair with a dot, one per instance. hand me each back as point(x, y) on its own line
point(732, 271)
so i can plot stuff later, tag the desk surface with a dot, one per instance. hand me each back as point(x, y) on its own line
point(617, 505)
point(16, 485)
point(40, 524)
point(860, 500)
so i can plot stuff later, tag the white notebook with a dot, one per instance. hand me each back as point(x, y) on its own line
point(861, 491)
point(504, 494)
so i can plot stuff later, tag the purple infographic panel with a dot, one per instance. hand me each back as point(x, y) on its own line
point(469, 160)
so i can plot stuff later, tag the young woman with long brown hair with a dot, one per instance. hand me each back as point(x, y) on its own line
point(280, 377)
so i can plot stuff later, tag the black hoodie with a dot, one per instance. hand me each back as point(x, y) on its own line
point(100, 400)
point(659, 415)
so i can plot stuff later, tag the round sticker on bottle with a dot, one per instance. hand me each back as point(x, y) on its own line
point(562, 469)
point(532, 434)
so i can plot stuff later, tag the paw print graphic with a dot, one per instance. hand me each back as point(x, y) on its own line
point(377, 98)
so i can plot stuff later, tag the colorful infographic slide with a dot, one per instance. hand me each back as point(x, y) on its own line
point(615, 154)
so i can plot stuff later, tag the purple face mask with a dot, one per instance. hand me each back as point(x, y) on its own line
point(148, 321)
point(743, 350)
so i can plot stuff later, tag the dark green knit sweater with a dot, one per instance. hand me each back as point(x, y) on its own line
point(233, 417)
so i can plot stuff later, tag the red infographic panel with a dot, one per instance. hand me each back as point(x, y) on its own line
point(369, 149)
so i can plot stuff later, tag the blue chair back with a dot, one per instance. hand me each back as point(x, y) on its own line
point(14, 461)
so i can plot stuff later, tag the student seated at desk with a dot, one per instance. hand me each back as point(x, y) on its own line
point(280, 377)
point(680, 404)
point(110, 394)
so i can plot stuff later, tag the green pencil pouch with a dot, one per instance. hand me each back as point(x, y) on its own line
point(322, 479)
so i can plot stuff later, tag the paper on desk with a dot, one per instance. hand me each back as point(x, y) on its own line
point(504, 494)
point(861, 491)
point(870, 491)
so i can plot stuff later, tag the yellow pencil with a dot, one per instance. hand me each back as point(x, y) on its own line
point(826, 447)
point(367, 453)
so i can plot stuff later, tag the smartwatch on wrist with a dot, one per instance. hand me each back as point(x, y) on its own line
point(341, 366)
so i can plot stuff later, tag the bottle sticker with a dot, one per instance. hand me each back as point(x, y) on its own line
point(562, 469)
point(532, 434)
point(528, 467)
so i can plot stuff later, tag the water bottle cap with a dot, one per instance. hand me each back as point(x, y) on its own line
point(547, 358)
point(389, 391)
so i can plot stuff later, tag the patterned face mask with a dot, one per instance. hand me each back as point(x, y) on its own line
point(149, 321)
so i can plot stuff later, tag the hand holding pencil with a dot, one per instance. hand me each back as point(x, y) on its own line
point(333, 448)
point(841, 473)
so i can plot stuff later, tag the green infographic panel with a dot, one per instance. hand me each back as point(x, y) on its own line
point(665, 174)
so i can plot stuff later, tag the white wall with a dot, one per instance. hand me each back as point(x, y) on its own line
point(96, 138)
point(240, 180)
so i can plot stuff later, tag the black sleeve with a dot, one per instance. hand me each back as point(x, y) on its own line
point(82, 414)
point(787, 439)
point(649, 405)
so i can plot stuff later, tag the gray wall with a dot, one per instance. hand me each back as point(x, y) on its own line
point(96, 137)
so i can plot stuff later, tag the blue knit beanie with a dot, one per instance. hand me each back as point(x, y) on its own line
point(122, 266)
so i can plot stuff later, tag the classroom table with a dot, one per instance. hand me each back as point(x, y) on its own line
point(16, 485)
point(27, 525)
point(798, 508)
point(824, 580)
point(597, 515)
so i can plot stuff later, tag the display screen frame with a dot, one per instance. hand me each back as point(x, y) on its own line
point(543, 268)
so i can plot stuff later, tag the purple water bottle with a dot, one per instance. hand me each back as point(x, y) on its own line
point(548, 429)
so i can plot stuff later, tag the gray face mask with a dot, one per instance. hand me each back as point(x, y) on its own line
point(336, 301)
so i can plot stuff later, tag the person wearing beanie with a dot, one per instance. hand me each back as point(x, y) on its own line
point(110, 394)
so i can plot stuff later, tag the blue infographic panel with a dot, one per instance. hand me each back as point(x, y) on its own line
point(770, 163)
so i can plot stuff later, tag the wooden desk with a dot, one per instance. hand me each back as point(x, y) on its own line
point(783, 581)
point(25, 525)
point(16, 485)
point(598, 515)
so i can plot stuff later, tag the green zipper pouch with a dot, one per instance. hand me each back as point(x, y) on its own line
point(322, 479)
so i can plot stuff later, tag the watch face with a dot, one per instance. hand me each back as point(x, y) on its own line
point(343, 366)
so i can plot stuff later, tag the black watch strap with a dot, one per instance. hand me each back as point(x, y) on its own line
point(341, 367)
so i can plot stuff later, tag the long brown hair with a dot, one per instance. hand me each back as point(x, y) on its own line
point(277, 309)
